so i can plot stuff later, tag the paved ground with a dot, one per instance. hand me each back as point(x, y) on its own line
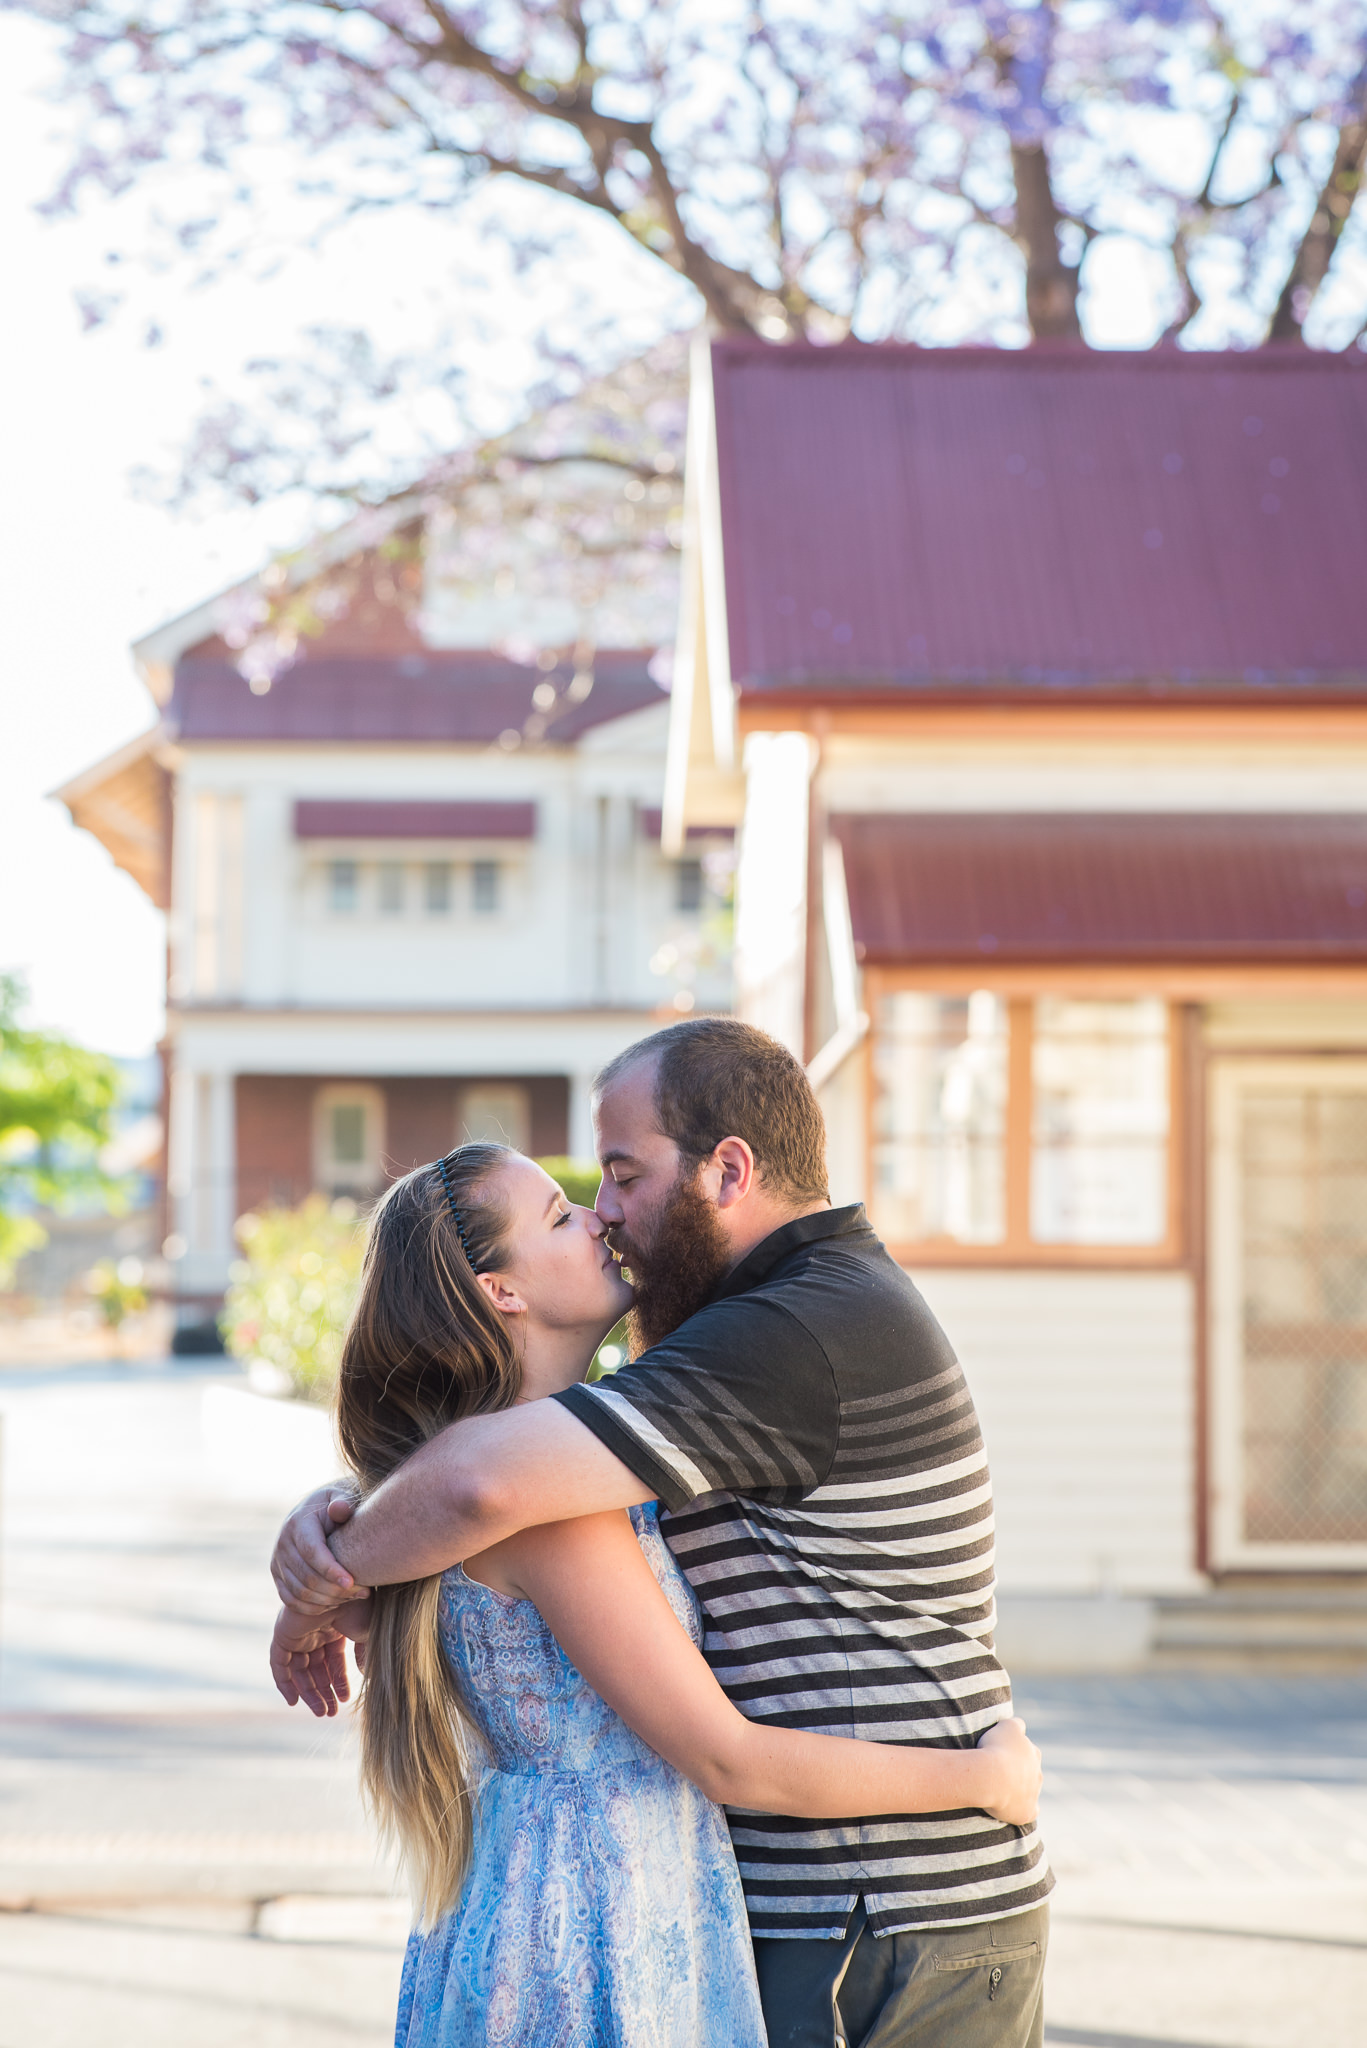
point(184, 1862)
point(1210, 1840)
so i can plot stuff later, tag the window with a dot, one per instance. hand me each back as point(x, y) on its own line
point(437, 887)
point(495, 1113)
point(484, 886)
point(1099, 1122)
point(347, 1133)
point(940, 1129)
point(688, 885)
point(389, 888)
point(1027, 1127)
point(348, 1138)
point(343, 885)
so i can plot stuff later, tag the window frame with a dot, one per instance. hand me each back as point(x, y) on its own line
point(1016, 1247)
point(341, 1177)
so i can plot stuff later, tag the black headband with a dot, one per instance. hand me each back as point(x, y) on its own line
point(444, 1169)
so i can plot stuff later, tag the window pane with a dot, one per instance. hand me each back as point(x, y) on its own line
point(348, 1133)
point(437, 885)
point(939, 1154)
point(1099, 1123)
point(484, 885)
point(390, 878)
point(342, 880)
point(688, 885)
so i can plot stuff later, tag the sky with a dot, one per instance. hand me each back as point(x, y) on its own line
point(88, 567)
point(85, 570)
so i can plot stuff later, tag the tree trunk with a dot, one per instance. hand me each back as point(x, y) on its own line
point(1050, 283)
point(1327, 223)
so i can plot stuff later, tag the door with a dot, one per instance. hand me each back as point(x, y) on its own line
point(1288, 1274)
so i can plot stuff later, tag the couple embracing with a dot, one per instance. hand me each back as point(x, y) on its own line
point(752, 1571)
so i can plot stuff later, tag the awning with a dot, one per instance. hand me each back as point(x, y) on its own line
point(343, 819)
point(1123, 887)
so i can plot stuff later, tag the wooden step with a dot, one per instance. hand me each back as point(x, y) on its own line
point(1272, 1625)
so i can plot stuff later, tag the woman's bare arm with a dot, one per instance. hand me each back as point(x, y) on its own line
point(592, 1585)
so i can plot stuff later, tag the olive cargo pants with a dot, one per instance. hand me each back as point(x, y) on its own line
point(949, 1987)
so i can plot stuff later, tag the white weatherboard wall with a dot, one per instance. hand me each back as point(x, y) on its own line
point(1085, 1385)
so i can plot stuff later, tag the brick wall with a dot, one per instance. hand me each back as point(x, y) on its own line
point(275, 1125)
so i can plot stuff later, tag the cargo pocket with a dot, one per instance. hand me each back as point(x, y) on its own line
point(987, 1957)
point(991, 1960)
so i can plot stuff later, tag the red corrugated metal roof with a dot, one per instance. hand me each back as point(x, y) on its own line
point(1038, 887)
point(941, 520)
point(315, 819)
point(459, 698)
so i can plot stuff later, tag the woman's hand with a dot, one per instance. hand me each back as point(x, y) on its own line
point(1017, 1802)
point(308, 1655)
point(307, 1575)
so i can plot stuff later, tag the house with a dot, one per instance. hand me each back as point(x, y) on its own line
point(413, 867)
point(1037, 686)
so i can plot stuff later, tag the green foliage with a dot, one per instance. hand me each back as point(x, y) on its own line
point(117, 1288)
point(580, 1178)
point(291, 1294)
point(56, 1108)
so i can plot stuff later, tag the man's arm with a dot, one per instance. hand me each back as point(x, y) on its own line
point(476, 1483)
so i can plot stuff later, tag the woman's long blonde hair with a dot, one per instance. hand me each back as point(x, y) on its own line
point(425, 1347)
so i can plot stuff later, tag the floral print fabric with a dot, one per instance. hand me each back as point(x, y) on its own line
point(603, 1907)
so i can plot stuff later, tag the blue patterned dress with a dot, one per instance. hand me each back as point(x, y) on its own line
point(603, 1907)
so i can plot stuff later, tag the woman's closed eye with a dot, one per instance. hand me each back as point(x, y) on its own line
point(563, 1216)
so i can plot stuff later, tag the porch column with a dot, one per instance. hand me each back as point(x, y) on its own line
point(202, 1177)
point(581, 1115)
point(771, 886)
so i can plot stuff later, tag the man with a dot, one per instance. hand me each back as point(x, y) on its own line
point(799, 1413)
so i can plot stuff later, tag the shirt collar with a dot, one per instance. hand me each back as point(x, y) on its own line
point(760, 1262)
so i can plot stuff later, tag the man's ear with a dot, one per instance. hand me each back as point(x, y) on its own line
point(505, 1299)
point(736, 1165)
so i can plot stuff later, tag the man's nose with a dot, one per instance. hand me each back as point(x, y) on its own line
point(606, 1206)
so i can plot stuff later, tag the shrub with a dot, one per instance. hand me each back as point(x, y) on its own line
point(292, 1291)
point(118, 1289)
point(579, 1178)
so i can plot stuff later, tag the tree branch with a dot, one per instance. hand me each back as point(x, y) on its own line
point(1333, 206)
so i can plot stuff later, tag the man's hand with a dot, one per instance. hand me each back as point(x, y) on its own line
point(307, 1575)
point(308, 1656)
point(1017, 1803)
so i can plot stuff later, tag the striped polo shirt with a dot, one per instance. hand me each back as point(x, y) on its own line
point(811, 1436)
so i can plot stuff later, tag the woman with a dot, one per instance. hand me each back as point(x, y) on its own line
point(540, 1734)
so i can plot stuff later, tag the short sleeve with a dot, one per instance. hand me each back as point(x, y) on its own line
point(741, 1399)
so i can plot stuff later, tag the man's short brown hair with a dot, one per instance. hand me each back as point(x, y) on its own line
point(717, 1078)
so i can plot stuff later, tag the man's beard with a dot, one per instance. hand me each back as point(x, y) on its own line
point(678, 1270)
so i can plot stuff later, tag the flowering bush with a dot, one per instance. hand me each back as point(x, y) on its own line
point(292, 1291)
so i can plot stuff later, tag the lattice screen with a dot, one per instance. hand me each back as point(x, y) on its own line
point(1303, 1166)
